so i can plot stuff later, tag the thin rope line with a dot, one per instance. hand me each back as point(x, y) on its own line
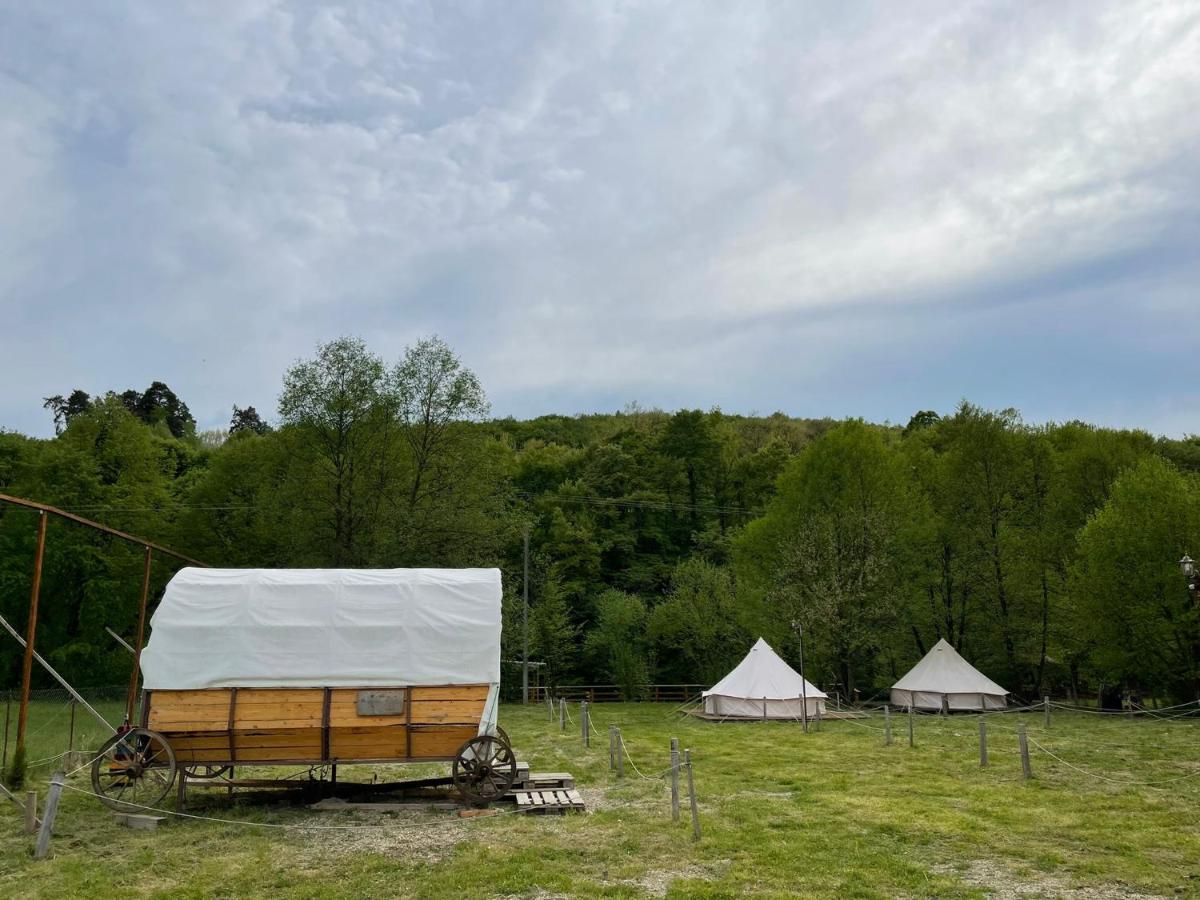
point(1107, 778)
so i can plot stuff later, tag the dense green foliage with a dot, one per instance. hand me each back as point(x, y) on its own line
point(662, 544)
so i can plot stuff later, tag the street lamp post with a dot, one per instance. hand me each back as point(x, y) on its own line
point(1188, 567)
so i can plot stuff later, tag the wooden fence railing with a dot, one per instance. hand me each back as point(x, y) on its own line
point(611, 693)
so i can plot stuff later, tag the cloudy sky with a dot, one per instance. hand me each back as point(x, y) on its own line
point(826, 209)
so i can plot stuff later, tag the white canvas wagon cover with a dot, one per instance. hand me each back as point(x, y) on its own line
point(325, 628)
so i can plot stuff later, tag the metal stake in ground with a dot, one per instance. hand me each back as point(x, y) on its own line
point(687, 761)
point(42, 847)
point(910, 726)
point(982, 741)
point(1026, 770)
point(674, 779)
point(887, 726)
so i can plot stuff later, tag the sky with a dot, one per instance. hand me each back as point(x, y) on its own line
point(858, 209)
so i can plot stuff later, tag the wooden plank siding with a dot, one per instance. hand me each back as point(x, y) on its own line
point(288, 725)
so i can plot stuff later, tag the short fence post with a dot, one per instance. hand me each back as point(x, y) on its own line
point(887, 726)
point(584, 725)
point(550, 706)
point(30, 812)
point(687, 761)
point(910, 726)
point(1026, 770)
point(982, 741)
point(71, 733)
point(674, 779)
point(612, 748)
point(620, 755)
point(43, 839)
point(562, 713)
point(1046, 704)
point(818, 717)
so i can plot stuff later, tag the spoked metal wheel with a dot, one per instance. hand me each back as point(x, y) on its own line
point(206, 771)
point(136, 768)
point(485, 769)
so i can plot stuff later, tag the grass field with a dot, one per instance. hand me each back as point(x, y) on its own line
point(830, 814)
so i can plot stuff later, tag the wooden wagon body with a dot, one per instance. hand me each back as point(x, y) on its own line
point(317, 668)
point(286, 725)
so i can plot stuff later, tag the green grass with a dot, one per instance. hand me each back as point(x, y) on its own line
point(830, 814)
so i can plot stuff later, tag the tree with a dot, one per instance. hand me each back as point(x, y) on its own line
point(617, 643)
point(65, 409)
point(339, 415)
point(1133, 602)
point(926, 418)
point(247, 421)
point(451, 476)
point(704, 626)
point(551, 632)
point(435, 394)
point(829, 552)
point(158, 404)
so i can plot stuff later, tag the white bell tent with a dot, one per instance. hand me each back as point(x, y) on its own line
point(763, 686)
point(944, 677)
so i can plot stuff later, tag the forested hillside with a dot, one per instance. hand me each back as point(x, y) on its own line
point(661, 543)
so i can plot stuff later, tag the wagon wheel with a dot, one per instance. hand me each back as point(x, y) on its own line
point(206, 771)
point(484, 769)
point(135, 768)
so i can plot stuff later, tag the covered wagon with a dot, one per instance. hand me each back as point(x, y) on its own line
point(316, 667)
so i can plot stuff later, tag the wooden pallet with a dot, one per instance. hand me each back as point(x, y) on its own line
point(540, 781)
point(553, 801)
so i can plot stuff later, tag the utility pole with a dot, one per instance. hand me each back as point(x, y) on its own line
point(525, 627)
point(799, 626)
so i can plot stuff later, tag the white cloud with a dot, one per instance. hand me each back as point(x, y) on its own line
point(657, 200)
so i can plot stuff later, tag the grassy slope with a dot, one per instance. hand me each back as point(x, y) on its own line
point(830, 814)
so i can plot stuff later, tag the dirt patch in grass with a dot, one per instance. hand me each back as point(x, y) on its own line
point(417, 834)
point(1003, 884)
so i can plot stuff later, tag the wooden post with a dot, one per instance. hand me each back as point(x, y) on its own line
point(1046, 704)
point(71, 732)
point(141, 634)
point(764, 709)
point(910, 726)
point(612, 745)
point(687, 761)
point(674, 779)
point(982, 741)
point(31, 820)
point(818, 716)
point(31, 631)
point(42, 847)
point(550, 705)
point(584, 724)
point(1026, 770)
point(887, 726)
point(562, 713)
point(620, 755)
